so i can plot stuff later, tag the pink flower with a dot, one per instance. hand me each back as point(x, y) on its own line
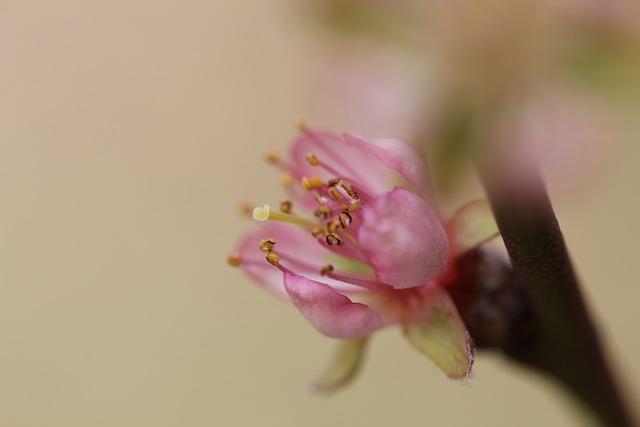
point(374, 255)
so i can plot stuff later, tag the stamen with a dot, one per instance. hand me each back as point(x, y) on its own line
point(265, 212)
point(350, 191)
point(326, 269)
point(320, 199)
point(299, 123)
point(246, 208)
point(234, 259)
point(333, 182)
point(333, 225)
point(272, 157)
point(345, 219)
point(354, 206)
point(287, 179)
point(266, 245)
point(333, 240)
point(334, 193)
point(306, 183)
point(318, 232)
point(273, 259)
point(317, 183)
point(351, 238)
point(313, 160)
point(310, 184)
point(323, 212)
point(286, 206)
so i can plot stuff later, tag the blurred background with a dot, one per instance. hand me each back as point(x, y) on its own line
point(130, 132)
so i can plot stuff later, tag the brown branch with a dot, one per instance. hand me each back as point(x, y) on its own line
point(556, 335)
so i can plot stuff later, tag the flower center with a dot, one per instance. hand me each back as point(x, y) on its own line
point(336, 219)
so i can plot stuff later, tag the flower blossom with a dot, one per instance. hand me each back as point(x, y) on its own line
point(373, 255)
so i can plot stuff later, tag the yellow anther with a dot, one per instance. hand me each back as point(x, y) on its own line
point(273, 258)
point(266, 245)
point(354, 206)
point(272, 156)
point(287, 179)
point(299, 123)
point(344, 207)
point(350, 191)
point(286, 206)
point(345, 219)
point(313, 160)
point(261, 213)
point(310, 184)
point(318, 232)
point(316, 183)
point(333, 240)
point(333, 225)
point(326, 269)
point(320, 199)
point(334, 193)
point(246, 208)
point(323, 212)
point(234, 259)
point(306, 183)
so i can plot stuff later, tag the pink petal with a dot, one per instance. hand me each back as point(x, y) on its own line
point(398, 156)
point(403, 239)
point(330, 312)
point(438, 332)
point(352, 161)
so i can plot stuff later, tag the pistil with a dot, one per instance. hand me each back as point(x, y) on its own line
point(263, 213)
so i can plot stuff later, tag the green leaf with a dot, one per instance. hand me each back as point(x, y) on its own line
point(439, 333)
point(472, 225)
point(343, 368)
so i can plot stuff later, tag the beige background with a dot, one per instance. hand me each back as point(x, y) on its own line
point(129, 132)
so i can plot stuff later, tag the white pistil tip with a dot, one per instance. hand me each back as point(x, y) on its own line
point(261, 213)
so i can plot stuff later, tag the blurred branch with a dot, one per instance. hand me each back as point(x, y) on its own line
point(557, 335)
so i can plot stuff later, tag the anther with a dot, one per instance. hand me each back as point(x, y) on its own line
point(326, 269)
point(316, 183)
point(234, 259)
point(318, 232)
point(272, 157)
point(323, 212)
point(334, 193)
point(266, 245)
point(345, 219)
point(306, 183)
point(313, 160)
point(273, 259)
point(320, 199)
point(350, 191)
point(333, 240)
point(333, 182)
point(333, 225)
point(299, 123)
point(287, 179)
point(354, 206)
point(286, 206)
point(246, 208)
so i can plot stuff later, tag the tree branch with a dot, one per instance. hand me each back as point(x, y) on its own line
point(556, 335)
